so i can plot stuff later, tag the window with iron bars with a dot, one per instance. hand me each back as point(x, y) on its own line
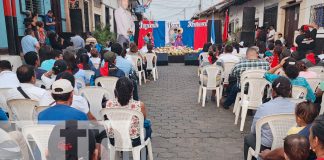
point(317, 15)
point(35, 6)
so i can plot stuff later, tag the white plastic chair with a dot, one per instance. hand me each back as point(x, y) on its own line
point(203, 57)
point(314, 82)
point(280, 72)
point(40, 135)
point(79, 83)
point(319, 70)
point(89, 73)
point(316, 69)
point(279, 125)
point(322, 106)
point(15, 61)
point(209, 82)
point(151, 66)
point(37, 110)
point(299, 92)
point(40, 84)
point(141, 73)
point(94, 96)
point(21, 109)
point(253, 99)
point(120, 121)
point(3, 101)
point(108, 83)
point(228, 67)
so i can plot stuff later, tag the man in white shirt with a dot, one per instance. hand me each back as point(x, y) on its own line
point(124, 22)
point(8, 79)
point(227, 56)
point(271, 34)
point(78, 102)
point(27, 88)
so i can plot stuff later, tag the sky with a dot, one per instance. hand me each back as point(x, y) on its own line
point(174, 10)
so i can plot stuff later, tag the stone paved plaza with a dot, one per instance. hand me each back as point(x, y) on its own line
point(182, 129)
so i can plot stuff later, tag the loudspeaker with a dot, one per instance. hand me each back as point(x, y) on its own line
point(248, 37)
point(162, 59)
point(248, 19)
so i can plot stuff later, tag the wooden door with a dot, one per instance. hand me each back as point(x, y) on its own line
point(76, 21)
point(270, 17)
point(56, 8)
point(291, 24)
point(86, 16)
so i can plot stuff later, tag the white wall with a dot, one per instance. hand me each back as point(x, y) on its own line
point(111, 3)
point(236, 12)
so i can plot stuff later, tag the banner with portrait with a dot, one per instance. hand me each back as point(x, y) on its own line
point(190, 33)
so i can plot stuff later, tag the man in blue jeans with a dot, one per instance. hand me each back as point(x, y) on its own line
point(252, 61)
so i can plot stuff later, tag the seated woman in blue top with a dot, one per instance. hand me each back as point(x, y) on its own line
point(292, 72)
point(62, 93)
point(74, 69)
point(280, 104)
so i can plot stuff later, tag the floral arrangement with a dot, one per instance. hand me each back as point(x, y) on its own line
point(176, 51)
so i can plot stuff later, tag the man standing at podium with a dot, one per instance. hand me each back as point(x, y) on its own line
point(124, 22)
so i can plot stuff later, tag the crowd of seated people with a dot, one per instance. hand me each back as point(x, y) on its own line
point(58, 64)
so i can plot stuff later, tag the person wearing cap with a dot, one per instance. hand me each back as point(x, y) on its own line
point(49, 77)
point(67, 147)
point(62, 93)
point(252, 61)
point(305, 40)
point(90, 39)
point(27, 89)
point(78, 102)
point(110, 68)
point(280, 104)
point(292, 72)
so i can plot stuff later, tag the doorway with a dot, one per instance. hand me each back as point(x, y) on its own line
point(107, 16)
point(270, 16)
point(291, 24)
point(97, 21)
point(56, 8)
point(76, 21)
point(86, 16)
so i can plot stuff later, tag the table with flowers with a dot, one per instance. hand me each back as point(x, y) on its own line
point(180, 54)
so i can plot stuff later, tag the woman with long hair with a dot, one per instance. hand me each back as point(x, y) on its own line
point(124, 99)
point(72, 67)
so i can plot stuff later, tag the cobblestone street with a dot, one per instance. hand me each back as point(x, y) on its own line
point(182, 129)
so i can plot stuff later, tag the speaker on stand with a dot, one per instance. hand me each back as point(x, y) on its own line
point(248, 27)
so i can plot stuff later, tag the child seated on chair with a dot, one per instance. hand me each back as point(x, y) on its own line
point(305, 113)
point(296, 147)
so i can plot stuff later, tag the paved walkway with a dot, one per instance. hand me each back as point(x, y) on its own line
point(182, 129)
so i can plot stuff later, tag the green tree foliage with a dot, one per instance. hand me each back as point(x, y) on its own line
point(103, 34)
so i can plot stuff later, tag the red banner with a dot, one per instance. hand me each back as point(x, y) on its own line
point(144, 28)
point(200, 35)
